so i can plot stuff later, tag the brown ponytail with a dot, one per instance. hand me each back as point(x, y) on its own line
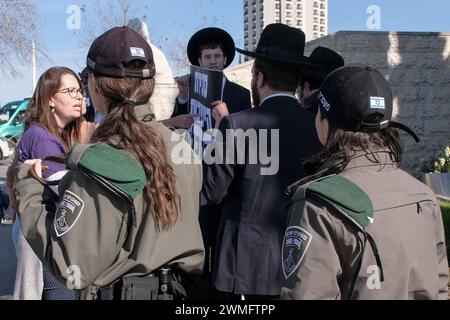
point(121, 129)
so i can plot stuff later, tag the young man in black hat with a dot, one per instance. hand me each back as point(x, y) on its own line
point(360, 227)
point(210, 48)
point(328, 60)
point(253, 218)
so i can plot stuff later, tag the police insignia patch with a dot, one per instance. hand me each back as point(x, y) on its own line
point(67, 213)
point(295, 243)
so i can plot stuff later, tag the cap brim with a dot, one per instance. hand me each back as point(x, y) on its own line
point(312, 100)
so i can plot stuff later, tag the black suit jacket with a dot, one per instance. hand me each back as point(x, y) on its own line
point(235, 96)
point(254, 215)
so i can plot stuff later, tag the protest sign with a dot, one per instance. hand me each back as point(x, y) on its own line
point(205, 88)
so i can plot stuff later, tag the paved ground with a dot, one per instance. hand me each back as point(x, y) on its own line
point(7, 253)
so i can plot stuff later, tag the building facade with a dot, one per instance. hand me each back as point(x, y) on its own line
point(311, 16)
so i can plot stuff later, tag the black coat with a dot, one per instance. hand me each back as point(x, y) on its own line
point(235, 96)
point(254, 216)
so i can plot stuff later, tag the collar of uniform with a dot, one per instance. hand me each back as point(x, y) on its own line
point(278, 94)
point(379, 159)
point(143, 110)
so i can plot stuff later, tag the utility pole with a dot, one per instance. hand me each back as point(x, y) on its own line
point(33, 65)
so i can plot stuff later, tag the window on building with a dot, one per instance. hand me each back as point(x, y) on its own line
point(315, 12)
point(261, 24)
point(245, 27)
point(277, 20)
point(245, 19)
point(315, 35)
point(322, 13)
point(322, 21)
point(322, 6)
point(254, 25)
point(315, 28)
point(288, 14)
point(288, 22)
point(277, 13)
point(245, 34)
point(299, 22)
point(315, 5)
point(322, 34)
point(277, 6)
point(316, 20)
point(254, 2)
point(254, 17)
point(253, 9)
point(288, 6)
point(299, 6)
point(245, 3)
point(322, 29)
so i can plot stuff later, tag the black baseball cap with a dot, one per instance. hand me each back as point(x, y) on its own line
point(350, 94)
point(110, 52)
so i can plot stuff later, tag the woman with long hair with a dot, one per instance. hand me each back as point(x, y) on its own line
point(360, 227)
point(121, 221)
point(52, 125)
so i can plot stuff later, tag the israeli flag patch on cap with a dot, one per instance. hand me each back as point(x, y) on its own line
point(377, 103)
point(137, 52)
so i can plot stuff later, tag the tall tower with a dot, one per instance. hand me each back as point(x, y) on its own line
point(311, 16)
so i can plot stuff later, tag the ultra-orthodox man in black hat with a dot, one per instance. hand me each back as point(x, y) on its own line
point(252, 191)
point(328, 61)
point(210, 48)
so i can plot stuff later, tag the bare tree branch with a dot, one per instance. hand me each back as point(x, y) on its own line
point(18, 28)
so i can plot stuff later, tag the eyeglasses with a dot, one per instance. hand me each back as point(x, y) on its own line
point(72, 92)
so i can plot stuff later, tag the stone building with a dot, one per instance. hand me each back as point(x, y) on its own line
point(417, 64)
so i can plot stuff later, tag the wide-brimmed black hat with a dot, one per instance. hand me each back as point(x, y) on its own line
point(327, 60)
point(113, 50)
point(206, 35)
point(351, 94)
point(281, 43)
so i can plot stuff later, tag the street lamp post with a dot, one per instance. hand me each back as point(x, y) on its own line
point(33, 65)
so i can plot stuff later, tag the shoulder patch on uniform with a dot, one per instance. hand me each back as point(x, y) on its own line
point(295, 244)
point(67, 213)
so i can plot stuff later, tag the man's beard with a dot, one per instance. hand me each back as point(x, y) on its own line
point(255, 95)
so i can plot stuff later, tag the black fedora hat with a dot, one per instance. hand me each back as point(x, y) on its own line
point(210, 34)
point(328, 61)
point(281, 43)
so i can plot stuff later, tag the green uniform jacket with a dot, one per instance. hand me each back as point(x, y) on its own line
point(97, 249)
point(406, 227)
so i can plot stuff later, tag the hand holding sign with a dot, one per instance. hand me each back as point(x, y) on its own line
point(219, 111)
point(183, 87)
point(183, 121)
